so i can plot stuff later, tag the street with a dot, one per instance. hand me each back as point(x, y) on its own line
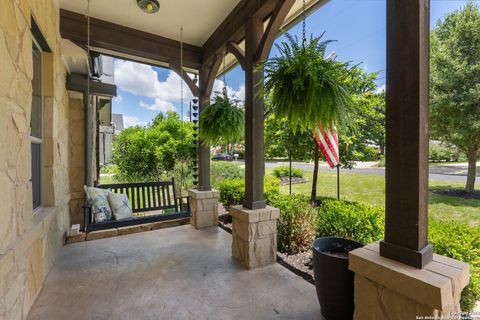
point(440, 172)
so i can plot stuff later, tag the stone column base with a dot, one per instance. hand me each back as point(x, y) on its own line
point(254, 235)
point(204, 208)
point(387, 289)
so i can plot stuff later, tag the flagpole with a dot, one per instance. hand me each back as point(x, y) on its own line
point(338, 181)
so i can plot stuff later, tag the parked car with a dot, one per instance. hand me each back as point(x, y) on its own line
point(223, 157)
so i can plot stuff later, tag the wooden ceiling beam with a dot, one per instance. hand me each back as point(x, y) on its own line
point(239, 54)
point(128, 41)
point(175, 66)
point(274, 24)
point(233, 27)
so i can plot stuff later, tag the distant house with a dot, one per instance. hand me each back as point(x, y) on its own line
point(107, 134)
point(117, 120)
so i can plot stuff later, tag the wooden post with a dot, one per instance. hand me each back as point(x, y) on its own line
point(203, 150)
point(87, 109)
point(206, 79)
point(254, 126)
point(406, 225)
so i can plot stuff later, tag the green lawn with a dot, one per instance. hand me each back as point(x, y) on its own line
point(107, 180)
point(371, 189)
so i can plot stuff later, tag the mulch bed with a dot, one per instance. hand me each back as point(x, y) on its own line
point(295, 180)
point(301, 263)
point(458, 193)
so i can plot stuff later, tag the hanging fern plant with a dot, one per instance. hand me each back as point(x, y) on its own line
point(222, 122)
point(305, 87)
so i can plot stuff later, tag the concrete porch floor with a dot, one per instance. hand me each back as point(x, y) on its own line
point(176, 273)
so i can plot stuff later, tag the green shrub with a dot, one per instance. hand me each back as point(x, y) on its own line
point(369, 154)
point(296, 224)
point(223, 170)
point(442, 153)
point(356, 221)
point(460, 242)
point(284, 171)
point(232, 192)
point(109, 169)
point(365, 224)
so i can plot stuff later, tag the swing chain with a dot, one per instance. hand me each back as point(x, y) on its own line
point(181, 71)
point(224, 58)
point(304, 18)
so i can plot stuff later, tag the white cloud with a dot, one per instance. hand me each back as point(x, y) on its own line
point(142, 80)
point(233, 94)
point(158, 105)
point(118, 99)
point(381, 89)
point(132, 121)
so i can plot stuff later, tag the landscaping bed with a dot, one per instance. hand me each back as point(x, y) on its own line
point(300, 223)
point(458, 193)
point(284, 181)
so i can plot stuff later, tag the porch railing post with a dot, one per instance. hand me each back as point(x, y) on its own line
point(406, 227)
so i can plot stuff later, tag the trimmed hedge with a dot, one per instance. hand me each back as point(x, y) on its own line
point(223, 170)
point(460, 242)
point(300, 222)
point(356, 221)
point(284, 171)
point(232, 192)
point(296, 224)
point(365, 224)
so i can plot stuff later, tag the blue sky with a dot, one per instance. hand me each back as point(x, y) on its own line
point(358, 26)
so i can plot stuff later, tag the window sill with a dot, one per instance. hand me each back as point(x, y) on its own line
point(40, 214)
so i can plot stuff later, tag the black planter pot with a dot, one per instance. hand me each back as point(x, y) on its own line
point(333, 280)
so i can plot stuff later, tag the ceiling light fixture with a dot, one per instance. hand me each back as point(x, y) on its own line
point(148, 6)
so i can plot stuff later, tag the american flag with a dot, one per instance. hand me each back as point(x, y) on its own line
point(327, 141)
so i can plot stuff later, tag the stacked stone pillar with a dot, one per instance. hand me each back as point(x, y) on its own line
point(388, 289)
point(254, 235)
point(204, 208)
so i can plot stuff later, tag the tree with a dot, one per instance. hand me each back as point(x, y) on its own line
point(367, 127)
point(282, 141)
point(150, 153)
point(307, 89)
point(172, 138)
point(134, 154)
point(455, 84)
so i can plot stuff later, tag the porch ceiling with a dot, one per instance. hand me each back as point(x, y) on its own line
point(198, 18)
point(207, 26)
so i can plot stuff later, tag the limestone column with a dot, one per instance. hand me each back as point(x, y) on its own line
point(204, 208)
point(254, 236)
point(388, 289)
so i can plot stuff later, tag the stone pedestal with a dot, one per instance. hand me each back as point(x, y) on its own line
point(204, 208)
point(254, 234)
point(387, 289)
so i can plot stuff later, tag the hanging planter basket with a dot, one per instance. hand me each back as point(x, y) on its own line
point(221, 122)
point(305, 87)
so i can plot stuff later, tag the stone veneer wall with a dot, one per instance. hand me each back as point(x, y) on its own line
point(29, 242)
point(77, 160)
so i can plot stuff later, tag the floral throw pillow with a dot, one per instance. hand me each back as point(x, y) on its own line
point(97, 199)
point(120, 206)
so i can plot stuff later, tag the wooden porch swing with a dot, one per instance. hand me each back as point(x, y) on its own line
point(152, 201)
point(149, 201)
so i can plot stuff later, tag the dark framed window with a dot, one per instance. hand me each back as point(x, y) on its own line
point(36, 120)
